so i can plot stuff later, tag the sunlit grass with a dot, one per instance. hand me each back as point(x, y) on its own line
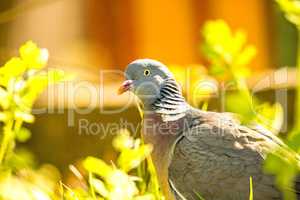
point(251, 188)
point(120, 180)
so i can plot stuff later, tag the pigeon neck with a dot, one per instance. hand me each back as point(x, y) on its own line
point(163, 136)
point(170, 103)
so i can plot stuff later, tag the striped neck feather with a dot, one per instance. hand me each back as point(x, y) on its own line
point(170, 103)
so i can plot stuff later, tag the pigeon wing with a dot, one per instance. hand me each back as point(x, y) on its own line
point(216, 157)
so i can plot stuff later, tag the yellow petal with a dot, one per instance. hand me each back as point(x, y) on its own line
point(35, 57)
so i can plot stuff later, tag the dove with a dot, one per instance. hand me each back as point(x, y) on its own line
point(198, 153)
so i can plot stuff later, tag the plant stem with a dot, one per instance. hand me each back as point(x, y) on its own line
point(251, 188)
point(153, 182)
point(18, 125)
point(6, 140)
point(297, 101)
point(241, 84)
point(10, 129)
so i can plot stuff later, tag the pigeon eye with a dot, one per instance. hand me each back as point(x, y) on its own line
point(147, 72)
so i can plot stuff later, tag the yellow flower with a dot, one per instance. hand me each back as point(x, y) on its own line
point(123, 141)
point(97, 166)
point(131, 158)
point(122, 186)
point(26, 117)
point(34, 57)
point(14, 67)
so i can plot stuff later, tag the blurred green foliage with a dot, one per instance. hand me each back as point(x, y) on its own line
point(285, 167)
point(226, 51)
point(22, 79)
point(291, 9)
point(229, 56)
point(120, 180)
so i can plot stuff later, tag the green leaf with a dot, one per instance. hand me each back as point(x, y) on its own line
point(270, 116)
point(284, 178)
point(13, 68)
point(239, 39)
point(99, 187)
point(35, 85)
point(238, 103)
point(218, 39)
point(289, 6)
point(122, 186)
point(217, 70)
point(245, 56)
point(291, 9)
point(242, 72)
point(145, 197)
point(38, 82)
point(5, 116)
point(23, 116)
point(131, 158)
point(226, 51)
point(34, 57)
point(23, 134)
point(57, 75)
point(97, 166)
point(199, 196)
point(21, 159)
point(123, 141)
point(5, 99)
point(11, 71)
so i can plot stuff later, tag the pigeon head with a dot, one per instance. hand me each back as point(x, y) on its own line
point(153, 83)
point(145, 78)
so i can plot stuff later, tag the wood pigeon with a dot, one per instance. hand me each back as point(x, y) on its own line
point(198, 153)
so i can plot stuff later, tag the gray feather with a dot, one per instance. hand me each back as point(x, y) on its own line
point(170, 103)
point(216, 159)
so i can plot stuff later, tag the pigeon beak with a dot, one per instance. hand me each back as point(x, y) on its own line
point(126, 85)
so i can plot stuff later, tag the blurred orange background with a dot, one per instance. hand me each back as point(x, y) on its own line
point(93, 34)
